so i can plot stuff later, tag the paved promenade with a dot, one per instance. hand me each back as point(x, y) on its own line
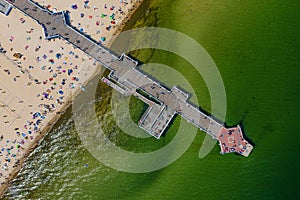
point(126, 78)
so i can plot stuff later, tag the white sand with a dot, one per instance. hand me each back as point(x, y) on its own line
point(32, 85)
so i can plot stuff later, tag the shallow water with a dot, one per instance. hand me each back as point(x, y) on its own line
point(255, 45)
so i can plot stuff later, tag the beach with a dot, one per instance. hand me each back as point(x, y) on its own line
point(38, 77)
point(256, 47)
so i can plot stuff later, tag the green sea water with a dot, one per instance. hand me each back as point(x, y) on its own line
point(256, 46)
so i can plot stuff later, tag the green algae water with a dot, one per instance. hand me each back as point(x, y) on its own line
point(256, 47)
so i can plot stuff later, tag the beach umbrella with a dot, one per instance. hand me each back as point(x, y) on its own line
point(70, 71)
point(22, 20)
point(103, 39)
point(72, 85)
point(74, 6)
point(58, 55)
point(112, 16)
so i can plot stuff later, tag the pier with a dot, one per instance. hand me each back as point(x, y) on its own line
point(5, 7)
point(126, 78)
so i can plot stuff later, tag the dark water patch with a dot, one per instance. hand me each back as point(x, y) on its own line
point(137, 106)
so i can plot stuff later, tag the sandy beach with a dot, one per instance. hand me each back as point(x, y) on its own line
point(38, 77)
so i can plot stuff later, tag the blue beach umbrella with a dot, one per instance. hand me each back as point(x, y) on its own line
point(58, 55)
point(103, 39)
point(74, 6)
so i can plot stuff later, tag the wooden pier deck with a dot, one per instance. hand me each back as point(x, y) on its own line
point(126, 78)
point(5, 7)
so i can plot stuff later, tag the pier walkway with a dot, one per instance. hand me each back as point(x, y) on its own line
point(5, 7)
point(126, 78)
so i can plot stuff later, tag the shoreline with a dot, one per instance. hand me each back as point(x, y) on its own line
point(47, 129)
point(123, 24)
point(52, 122)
